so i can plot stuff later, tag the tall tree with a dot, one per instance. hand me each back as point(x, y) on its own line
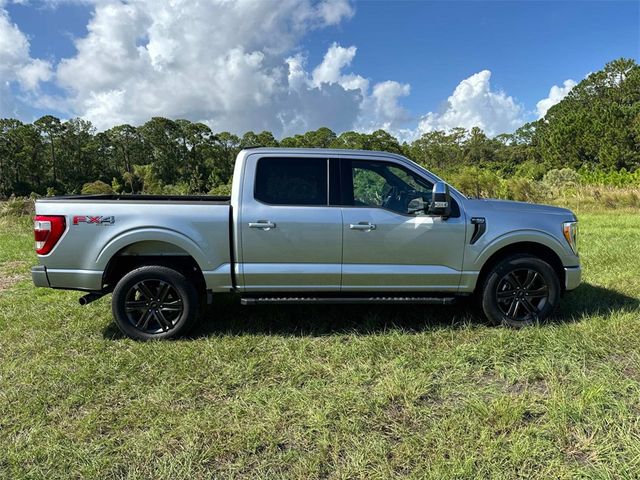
point(50, 128)
point(594, 124)
point(161, 139)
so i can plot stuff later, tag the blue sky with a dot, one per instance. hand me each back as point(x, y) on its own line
point(408, 66)
point(528, 46)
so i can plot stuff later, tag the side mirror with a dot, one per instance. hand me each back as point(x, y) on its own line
point(440, 200)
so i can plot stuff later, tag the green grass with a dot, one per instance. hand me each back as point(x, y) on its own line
point(335, 392)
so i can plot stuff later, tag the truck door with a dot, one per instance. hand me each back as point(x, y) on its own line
point(291, 238)
point(390, 243)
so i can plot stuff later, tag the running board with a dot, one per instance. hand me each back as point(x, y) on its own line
point(344, 300)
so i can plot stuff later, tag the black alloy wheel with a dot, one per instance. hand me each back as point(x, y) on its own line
point(522, 295)
point(520, 290)
point(154, 302)
point(153, 306)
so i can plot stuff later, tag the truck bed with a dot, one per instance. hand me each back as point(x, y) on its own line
point(218, 199)
point(101, 227)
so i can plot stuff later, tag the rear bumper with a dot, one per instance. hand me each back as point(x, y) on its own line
point(88, 280)
point(39, 276)
point(572, 277)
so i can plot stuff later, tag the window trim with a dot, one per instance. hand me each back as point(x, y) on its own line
point(327, 186)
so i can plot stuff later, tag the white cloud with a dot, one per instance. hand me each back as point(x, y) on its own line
point(330, 69)
point(382, 109)
point(16, 66)
point(236, 66)
point(333, 11)
point(221, 62)
point(555, 95)
point(474, 104)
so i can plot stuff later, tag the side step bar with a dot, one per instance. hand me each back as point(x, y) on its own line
point(345, 300)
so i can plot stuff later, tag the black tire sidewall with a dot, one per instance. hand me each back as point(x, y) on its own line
point(178, 281)
point(489, 300)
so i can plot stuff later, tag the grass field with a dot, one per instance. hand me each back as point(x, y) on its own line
point(330, 392)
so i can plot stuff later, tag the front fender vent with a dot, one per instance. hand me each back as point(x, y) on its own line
point(479, 227)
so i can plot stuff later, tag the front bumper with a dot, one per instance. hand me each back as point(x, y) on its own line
point(572, 277)
point(39, 276)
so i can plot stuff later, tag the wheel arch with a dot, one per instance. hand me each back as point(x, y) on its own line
point(152, 252)
point(535, 249)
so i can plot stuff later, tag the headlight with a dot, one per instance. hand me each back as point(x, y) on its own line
point(570, 231)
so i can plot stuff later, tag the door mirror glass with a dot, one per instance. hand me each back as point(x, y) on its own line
point(440, 200)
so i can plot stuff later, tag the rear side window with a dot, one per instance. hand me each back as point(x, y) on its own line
point(291, 181)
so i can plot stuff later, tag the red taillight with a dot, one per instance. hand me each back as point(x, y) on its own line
point(47, 230)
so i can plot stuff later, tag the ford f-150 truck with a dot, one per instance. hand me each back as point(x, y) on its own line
point(307, 226)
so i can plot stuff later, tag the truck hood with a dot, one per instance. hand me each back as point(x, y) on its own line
point(512, 206)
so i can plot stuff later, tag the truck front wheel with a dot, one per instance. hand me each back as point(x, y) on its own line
point(154, 302)
point(520, 290)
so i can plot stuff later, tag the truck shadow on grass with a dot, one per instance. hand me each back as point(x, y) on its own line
point(227, 317)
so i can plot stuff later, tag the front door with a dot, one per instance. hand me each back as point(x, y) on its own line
point(389, 242)
point(291, 238)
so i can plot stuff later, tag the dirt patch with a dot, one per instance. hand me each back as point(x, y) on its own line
point(515, 388)
point(14, 265)
point(11, 273)
point(626, 364)
point(6, 282)
point(580, 448)
point(520, 387)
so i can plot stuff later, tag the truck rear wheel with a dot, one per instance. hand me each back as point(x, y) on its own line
point(154, 302)
point(519, 291)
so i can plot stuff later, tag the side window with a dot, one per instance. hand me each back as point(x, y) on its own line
point(291, 181)
point(386, 185)
point(369, 187)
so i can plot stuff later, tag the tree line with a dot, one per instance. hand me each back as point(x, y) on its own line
point(595, 128)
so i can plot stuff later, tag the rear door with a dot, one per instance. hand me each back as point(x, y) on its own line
point(291, 239)
point(390, 243)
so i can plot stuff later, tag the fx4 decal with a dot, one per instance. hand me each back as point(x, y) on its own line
point(95, 220)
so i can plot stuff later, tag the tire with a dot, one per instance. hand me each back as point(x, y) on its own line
point(154, 302)
point(519, 291)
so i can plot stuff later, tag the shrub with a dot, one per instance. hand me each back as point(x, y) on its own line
point(559, 180)
point(116, 186)
point(623, 198)
point(147, 176)
point(531, 170)
point(478, 183)
point(525, 190)
point(97, 188)
point(17, 207)
point(221, 190)
point(613, 178)
point(181, 188)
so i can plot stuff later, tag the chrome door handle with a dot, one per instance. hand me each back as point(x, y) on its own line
point(362, 226)
point(265, 225)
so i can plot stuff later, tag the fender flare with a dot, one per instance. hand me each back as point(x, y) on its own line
point(127, 238)
point(519, 236)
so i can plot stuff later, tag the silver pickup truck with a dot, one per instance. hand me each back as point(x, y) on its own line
point(307, 226)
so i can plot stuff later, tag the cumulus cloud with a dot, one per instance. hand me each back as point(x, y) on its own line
point(333, 11)
point(330, 69)
point(236, 66)
point(17, 66)
point(555, 95)
point(382, 109)
point(474, 104)
point(228, 64)
point(219, 62)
